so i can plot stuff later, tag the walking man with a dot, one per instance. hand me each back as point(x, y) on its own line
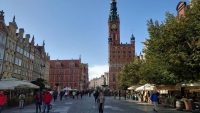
point(38, 101)
point(21, 101)
point(47, 99)
point(73, 94)
point(81, 93)
point(154, 99)
point(96, 95)
point(61, 95)
point(55, 94)
point(2, 100)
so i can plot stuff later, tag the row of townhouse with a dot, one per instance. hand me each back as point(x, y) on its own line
point(20, 58)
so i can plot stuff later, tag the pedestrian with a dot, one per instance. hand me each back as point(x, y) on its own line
point(46, 100)
point(2, 100)
point(66, 93)
point(81, 93)
point(101, 100)
point(115, 94)
point(55, 95)
point(21, 101)
point(96, 95)
point(77, 94)
point(73, 94)
point(154, 99)
point(38, 101)
point(61, 95)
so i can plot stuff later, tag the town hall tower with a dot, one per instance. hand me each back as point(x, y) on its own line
point(118, 53)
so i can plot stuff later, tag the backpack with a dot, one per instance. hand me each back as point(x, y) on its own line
point(21, 97)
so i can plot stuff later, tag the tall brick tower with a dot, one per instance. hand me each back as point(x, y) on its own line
point(118, 53)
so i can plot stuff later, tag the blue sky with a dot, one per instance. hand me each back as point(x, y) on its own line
point(80, 27)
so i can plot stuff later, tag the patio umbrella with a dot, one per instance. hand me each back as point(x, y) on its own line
point(132, 87)
point(146, 87)
point(4, 86)
point(67, 88)
point(16, 83)
point(32, 86)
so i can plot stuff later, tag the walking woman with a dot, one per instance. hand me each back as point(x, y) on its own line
point(101, 100)
point(2, 100)
point(38, 101)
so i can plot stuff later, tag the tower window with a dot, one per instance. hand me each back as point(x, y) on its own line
point(118, 51)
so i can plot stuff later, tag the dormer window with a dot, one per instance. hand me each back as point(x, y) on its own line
point(72, 64)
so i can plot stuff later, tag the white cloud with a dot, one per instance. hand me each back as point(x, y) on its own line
point(97, 70)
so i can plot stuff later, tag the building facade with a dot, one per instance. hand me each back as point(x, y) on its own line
point(3, 38)
point(9, 54)
point(68, 73)
point(21, 58)
point(98, 81)
point(118, 53)
point(83, 77)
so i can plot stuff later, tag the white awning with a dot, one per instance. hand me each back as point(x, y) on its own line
point(16, 83)
point(4, 86)
point(33, 86)
point(146, 87)
point(67, 88)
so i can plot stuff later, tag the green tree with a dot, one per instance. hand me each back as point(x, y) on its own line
point(39, 82)
point(129, 75)
point(172, 54)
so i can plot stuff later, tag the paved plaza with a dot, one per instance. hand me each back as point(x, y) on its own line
point(87, 105)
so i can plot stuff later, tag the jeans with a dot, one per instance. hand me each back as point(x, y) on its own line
point(55, 97)
point(154, 105)
point(38, 105)
point(46, 105)
point(100, 108)
point(21, 103)
point(1, 108)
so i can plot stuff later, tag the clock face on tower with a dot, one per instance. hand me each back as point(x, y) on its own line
point(113, 26)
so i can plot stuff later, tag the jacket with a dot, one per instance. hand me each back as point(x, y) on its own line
point(37, 100)
point(154, 97)
point(2, 99)
point(47, 97)
point(103, 100)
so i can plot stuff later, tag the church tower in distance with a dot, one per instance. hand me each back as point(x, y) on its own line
point(118, 53)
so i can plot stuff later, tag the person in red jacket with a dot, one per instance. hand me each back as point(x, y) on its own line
point(2, 100)
point(46, 99)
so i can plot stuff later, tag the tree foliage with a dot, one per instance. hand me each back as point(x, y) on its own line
point(173, 51)
point(129, 74)
point(39, 82)
point(174, 46)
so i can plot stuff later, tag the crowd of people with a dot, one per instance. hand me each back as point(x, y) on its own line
point(44, 98)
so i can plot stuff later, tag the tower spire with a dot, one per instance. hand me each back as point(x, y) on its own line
point(14, 18)
point(113, 11)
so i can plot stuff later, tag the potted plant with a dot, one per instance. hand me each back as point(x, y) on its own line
point(180, 105)
point(188, 106)
point(172, 102)
point(167, 101)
